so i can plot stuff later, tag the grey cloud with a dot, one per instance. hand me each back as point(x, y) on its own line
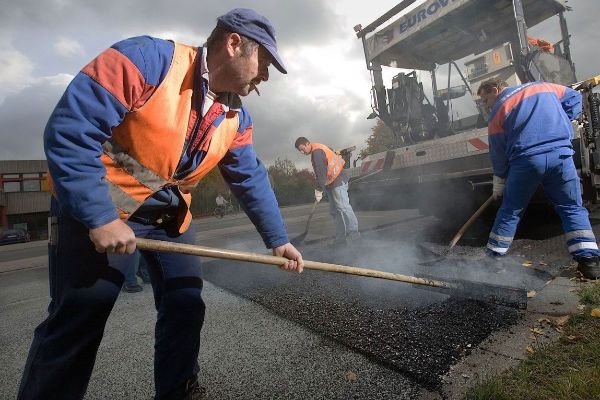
point(280, 115)
point(279, 119)
point(23, 117)
point(310, 21)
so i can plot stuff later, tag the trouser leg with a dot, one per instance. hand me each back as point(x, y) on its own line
point(177, 285)
point(336, 213)
point(83, 290)
point(562, 186)
point(128, 263)
point(346, 209)
point(524, 176)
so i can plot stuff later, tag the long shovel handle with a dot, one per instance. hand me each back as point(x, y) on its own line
point(159, 245)
point(469, 222)
point(312, 211)
point(512, 297)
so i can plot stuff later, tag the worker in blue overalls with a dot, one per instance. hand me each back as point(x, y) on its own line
point(530, 136)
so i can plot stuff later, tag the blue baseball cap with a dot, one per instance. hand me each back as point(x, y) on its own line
point(251, 24)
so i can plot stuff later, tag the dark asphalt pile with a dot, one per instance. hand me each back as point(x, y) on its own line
point(411, 329)
point(420, 343)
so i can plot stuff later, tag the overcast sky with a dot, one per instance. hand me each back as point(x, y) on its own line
point(325, 96)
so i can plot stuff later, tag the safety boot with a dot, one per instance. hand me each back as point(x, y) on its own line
point(198, 393)
point(190, 390)
point(589, 267)
point(496, 262)
point(353, 236)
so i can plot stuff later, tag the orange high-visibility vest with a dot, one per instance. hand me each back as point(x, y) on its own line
point(142, 156)
point(335, 162)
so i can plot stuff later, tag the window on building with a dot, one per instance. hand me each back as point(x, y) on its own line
point(31, 182)
point(11, 183)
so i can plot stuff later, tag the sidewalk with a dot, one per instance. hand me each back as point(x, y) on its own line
point(19, 246)
point(23, 263)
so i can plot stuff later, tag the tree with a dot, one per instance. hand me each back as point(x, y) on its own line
point(381, 139)
point(290, 185)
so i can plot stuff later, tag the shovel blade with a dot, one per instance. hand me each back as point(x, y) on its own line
point(502, 295)
point(498, 294)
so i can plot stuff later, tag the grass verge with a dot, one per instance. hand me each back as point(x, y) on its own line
point(568, 369)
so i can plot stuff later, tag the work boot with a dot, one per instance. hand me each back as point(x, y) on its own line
point(198, 393)
point(340, 242)
point(194, 391)
point(189, 390)
point(495, 261)
point(132, 288)
point(352, 236)
point(589, 267)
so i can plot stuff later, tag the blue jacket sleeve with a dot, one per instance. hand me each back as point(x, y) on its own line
point(73, 138)
point(319, 163)
point(248, 180)
point(571, 103)
point(82, 122)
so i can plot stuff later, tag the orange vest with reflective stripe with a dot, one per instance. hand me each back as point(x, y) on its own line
point(335, 162)
point(142, 156)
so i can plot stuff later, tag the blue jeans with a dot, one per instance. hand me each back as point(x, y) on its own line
point(341, 211)
point(83, 290)
point(556, 172)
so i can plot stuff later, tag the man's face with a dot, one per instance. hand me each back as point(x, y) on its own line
point(247, 71)
point(304, 148)
point(489, 98)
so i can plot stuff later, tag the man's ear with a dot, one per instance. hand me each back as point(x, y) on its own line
point(233, 42)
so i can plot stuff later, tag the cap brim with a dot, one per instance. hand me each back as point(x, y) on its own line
point(276, 59)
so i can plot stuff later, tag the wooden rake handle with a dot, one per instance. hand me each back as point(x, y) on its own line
point(159, 245)
point(469, 222)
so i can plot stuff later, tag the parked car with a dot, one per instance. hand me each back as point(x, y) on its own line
point(11, 236)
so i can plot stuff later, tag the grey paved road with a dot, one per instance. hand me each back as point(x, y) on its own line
point(272, 335)
point(248, 352)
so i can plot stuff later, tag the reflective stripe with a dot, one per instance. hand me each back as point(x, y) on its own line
point(583, 245)
point(129, 164)
point(121, 199)
point(580, 234)
point(499, 238)
point(501, 250)
point(334, 166)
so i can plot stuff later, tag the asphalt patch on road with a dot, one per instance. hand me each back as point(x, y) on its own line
point(420, 333)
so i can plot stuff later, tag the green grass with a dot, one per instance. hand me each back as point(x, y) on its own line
point(590, 294)
point(566, 370)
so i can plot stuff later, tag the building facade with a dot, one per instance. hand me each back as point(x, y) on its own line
point(25, 197)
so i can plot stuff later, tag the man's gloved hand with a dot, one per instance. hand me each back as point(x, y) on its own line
point(318, 195)
point(498, 187)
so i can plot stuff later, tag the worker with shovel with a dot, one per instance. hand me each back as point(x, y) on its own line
point(333, 179)
point(133, 134)
point(530, 136)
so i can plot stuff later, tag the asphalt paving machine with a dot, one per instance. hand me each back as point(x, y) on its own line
point(439, 161)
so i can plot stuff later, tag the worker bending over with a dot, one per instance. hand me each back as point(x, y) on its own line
point(133, 134)
point(333, 179)
point(530, 136)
